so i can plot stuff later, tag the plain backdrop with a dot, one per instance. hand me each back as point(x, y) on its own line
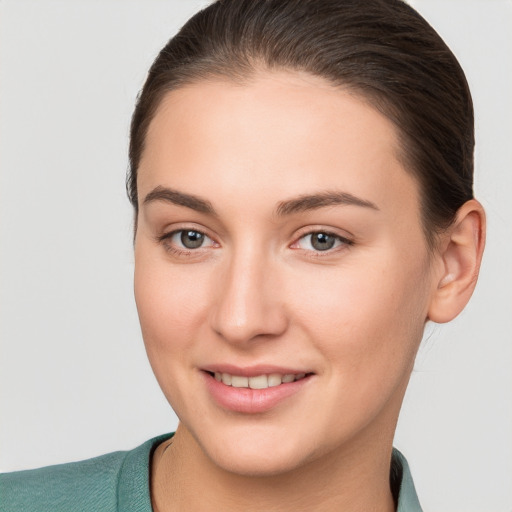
point(74, 380)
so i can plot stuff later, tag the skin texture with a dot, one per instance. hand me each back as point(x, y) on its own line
point(258, 293)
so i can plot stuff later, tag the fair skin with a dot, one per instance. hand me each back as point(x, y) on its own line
point(237, 273)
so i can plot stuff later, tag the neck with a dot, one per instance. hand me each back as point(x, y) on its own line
point(353, 481)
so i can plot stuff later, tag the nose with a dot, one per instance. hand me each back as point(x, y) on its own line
point(248, 303)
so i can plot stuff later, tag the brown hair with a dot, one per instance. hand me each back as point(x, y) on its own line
point(383, 50)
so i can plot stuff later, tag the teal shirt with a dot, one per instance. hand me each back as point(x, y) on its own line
point(119, 482)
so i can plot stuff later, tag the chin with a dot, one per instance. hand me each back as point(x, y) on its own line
point(254, 452)
point(257, 463)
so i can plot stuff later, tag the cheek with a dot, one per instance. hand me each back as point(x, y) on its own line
point(368, 319)
point(169, 306)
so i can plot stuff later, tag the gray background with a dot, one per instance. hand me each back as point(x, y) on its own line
point(74, 380)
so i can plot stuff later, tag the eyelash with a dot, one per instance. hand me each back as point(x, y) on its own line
point(166, 241)
point(342, 241)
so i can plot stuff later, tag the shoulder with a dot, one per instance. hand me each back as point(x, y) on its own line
point(86, 484)
point(100, 484)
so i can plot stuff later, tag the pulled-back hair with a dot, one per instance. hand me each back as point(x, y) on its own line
point(382, 50)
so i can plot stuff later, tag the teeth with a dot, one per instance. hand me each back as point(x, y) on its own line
point(238, 381)
point(259, 381)
point(274, 379)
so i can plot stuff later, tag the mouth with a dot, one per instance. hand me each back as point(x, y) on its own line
point(262, 381)
point(258, 391)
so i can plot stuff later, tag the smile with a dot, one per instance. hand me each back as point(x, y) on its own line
point(258, 381)
point(254, 390)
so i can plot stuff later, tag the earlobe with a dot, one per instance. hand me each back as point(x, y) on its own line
point(460, 257)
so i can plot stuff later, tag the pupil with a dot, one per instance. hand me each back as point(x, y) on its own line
point(322, 241)
point(192, 239)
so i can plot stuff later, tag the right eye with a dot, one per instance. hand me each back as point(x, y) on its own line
point(189, 239)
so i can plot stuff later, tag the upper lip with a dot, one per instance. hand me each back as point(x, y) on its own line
point(253, 371)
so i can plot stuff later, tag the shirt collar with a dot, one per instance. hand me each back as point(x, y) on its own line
point(402, 484)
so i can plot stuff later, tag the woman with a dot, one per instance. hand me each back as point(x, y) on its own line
point(301, 174)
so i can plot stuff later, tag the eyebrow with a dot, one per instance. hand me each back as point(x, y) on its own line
point(284, 208)
point(321, 200)
point(181, 199)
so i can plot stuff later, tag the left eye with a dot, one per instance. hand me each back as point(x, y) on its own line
point(190, 239)
point(320, 241)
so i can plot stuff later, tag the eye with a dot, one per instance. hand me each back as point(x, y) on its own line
point(321, 241)
point(188, 239)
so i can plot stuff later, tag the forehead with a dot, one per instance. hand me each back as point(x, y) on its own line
point(281, 133)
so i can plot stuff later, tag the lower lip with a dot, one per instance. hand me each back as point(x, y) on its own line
point(252, 401)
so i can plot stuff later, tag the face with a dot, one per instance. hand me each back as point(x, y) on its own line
point(281, 272)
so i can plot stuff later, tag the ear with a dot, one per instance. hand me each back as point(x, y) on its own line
point(460, 254)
